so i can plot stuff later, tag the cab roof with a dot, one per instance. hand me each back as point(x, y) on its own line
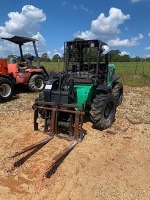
point(86, 43)
point(20, 39)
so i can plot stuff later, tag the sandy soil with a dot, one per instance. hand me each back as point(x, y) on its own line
point(108, 165)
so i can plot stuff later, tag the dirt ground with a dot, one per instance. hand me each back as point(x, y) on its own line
point(107, 165)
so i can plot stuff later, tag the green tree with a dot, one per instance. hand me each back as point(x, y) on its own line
point(126, 58)
point(25, 56)
point(45, 57)
point(56, 58)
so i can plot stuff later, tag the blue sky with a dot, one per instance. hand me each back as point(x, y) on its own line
point(122, 24)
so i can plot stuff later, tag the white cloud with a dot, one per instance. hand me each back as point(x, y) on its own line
point(54, 52)
point(28, 47)
point(147, 48)
point(40, 39)
point(105, 27)
point(85, 35)
point(126, 42)
point(25, 23)
point(58, 54)
point(7, 48)
point(124, 53)
point(139, 37)
point(118, 42)
point(3, 32)
point(81, 7)
point(109, 25)
point(135, 1)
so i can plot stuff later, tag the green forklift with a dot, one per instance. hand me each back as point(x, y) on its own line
point(87, 85)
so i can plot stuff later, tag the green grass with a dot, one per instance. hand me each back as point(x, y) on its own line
point(53, 66)
point(135, 74)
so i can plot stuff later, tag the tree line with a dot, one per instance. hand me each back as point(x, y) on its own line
point(43, 58)
point(114, 54)
point(117, 57)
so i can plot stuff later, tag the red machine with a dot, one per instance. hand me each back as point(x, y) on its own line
point(21, 72)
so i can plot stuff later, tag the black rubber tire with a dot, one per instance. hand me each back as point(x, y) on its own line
point(103, 111)
point(6, 89)
point(118, 92)
point(36, 83)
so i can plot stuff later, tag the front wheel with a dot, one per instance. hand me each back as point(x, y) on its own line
point(6, 89)
point(103, 111)
point(36, 83)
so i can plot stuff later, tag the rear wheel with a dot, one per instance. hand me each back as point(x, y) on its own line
point(118, 92)
point(103, 111)
point(36, 83)
point(6, 89)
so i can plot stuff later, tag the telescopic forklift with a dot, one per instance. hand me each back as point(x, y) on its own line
point(87, 86)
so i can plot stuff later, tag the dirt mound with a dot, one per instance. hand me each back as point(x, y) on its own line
point(111, 164)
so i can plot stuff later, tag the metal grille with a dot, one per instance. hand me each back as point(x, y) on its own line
point(81, 57)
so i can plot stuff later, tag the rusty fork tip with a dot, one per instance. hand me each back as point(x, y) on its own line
point(10, 157)
point(13, 155)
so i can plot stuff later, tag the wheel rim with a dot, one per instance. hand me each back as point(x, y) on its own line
point(39, 83)
point(5, 90)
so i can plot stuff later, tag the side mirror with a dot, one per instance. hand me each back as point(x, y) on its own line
point(105, 49)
